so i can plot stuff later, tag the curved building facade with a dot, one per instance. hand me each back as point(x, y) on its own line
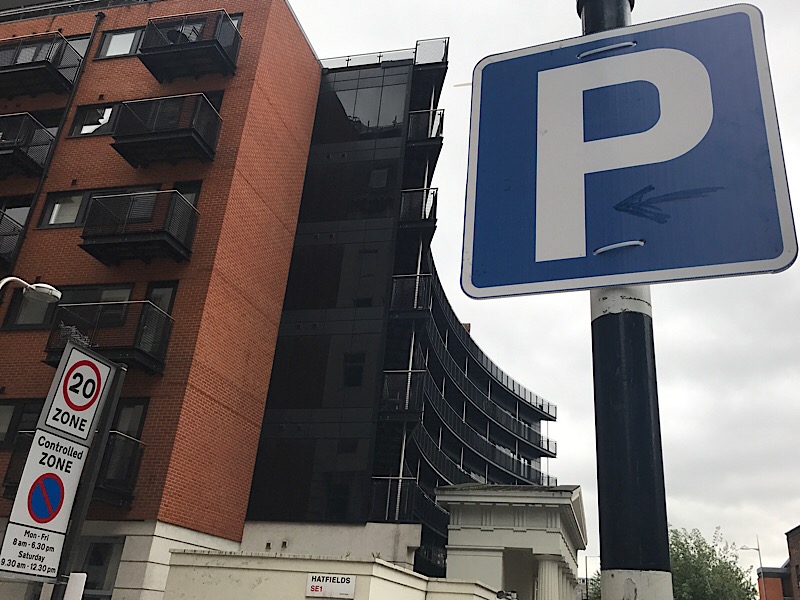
point(378, 393)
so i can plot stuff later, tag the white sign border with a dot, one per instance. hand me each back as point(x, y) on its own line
point(779, 263)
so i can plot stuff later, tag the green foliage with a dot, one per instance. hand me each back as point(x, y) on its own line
point(701, 570)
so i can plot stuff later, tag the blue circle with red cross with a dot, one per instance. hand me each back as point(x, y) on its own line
point(46, 498)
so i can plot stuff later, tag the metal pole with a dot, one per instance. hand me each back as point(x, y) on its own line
point(86, 488)
point(634, 539)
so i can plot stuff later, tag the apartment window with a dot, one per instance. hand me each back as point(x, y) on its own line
point(129, 418)
point(80, 43)
point(95, 120)
point(16, 208)
point(162, 294)
point(237, 20)
point(189, 190)
point(68, 209)
point(16, 416)
point(26, 314)
point(353, 369)
point(99, 558)
point(120, 43)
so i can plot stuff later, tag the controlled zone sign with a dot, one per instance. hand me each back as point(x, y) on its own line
point(34, 538)
point(637, 155)
point(40, 515)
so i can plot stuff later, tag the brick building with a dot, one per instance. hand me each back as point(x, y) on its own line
point(163, 163)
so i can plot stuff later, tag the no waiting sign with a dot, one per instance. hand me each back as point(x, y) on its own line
point(77, 394)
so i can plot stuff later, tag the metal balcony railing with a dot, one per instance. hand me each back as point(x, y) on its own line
point(480, 400)
point(411, 292)
point(141, 225)
point(402, 500)
point(136, 333)
point(442, 463)
point(24, 145)
point(479, 444)
point(193, 44)
point(469, 344)
point(425, 125)
point(10, 235)
point(418, 205)
point(116, 480)
point(431, 554)
point(119, 469)
point(402, 391)
point(37, 64)
point(167, 129)
point(426, 52)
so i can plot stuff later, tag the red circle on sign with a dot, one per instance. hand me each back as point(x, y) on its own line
point(46, 498)
point(65, 389)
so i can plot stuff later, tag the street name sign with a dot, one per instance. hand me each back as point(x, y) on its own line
point(34, 537)
point(638, 155)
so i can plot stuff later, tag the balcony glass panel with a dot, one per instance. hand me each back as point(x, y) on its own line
point(190, 45)
point(24, 145)
point(411, 292)
point(418, 205)
point(37, 64)
point(431, 51)
point(141, 226)
point(425, 125)
point(401, 500)
point(135, 333)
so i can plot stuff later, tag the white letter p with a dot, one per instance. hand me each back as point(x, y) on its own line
point(563, 158)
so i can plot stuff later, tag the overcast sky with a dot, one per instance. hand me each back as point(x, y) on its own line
point(726, 350)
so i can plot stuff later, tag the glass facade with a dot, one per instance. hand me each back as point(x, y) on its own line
point(378, 394)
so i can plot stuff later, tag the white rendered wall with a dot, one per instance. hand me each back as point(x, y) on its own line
point(231, 576)
point(392, 542)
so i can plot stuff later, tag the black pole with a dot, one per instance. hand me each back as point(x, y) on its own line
point(87, 483)
point(634, 539)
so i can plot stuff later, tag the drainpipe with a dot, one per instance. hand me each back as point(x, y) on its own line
point(48, 161)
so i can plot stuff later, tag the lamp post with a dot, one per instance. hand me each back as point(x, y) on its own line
point(762, 588)
point(41, 292)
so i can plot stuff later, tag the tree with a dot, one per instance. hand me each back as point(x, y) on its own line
point(701, 570)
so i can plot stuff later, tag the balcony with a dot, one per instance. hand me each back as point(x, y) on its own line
point(24, 145)
point(478, 398)
point(401, 500)
point(501, 457)
point(438, 460)
point(169, 129)
point(134, 333)
point(411, 295)
point(10, 235)
point(116, 480)
point(140, 226)
point(546, 410)
point(37, 64)
point(402, 395)
point(190, 45)
point(426, 125)
point(418, 207)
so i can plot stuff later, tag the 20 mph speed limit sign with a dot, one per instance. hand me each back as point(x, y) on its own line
point(76, 396)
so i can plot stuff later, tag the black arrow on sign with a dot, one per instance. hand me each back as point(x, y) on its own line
point(638, 206)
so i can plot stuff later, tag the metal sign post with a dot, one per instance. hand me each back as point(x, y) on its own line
point(634, 538)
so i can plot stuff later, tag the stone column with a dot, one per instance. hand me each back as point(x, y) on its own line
point(549, 580)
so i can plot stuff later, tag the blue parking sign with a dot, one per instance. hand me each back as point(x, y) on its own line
point(637, 155)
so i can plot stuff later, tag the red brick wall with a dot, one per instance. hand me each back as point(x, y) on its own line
point(205, 412)
point(793, 541)
point(771, 587)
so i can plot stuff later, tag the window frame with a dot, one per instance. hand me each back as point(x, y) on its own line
point(86, 197)
point(12, 313)
point(84, 109)
point(105, 42)
point(154, 285)
point(19, 408)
